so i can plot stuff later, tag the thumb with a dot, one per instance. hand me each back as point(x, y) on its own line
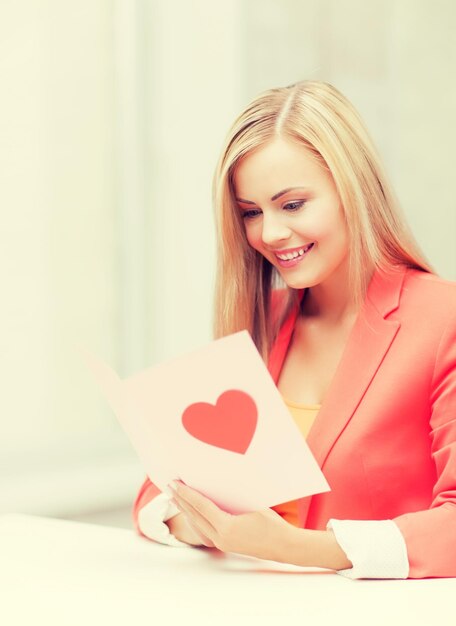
point(204, 540)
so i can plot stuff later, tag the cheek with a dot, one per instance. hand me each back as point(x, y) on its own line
point(341, 233)
point(328, 226)
point(253, 236)
point(339, 247)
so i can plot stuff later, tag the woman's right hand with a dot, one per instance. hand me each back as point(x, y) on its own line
point(180, 527)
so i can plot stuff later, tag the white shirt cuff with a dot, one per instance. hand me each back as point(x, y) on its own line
point(376, 548)
point(152, 518)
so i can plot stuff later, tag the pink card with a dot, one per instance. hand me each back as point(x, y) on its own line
point(215, 420)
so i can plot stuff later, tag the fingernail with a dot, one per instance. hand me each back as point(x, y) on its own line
point(168, 491)
point(173, 484)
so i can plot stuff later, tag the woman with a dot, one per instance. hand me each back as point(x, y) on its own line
point(361, 342)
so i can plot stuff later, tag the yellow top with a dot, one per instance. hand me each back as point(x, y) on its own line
point(304, 416)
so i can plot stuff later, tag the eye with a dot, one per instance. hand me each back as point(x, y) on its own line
point(294, 205)
point(250, 214)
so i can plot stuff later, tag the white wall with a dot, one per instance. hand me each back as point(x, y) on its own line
point(193, 79)
point(59, 242)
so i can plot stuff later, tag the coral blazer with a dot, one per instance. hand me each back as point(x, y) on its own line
point(385, 436)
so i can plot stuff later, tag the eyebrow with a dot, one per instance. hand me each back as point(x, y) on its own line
point(275, 196)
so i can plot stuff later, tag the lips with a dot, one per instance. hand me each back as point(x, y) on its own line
point(292, 256)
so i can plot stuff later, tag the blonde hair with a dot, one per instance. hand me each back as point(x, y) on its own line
point(318, 116)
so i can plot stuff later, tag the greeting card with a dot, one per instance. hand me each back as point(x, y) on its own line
point(215, 420)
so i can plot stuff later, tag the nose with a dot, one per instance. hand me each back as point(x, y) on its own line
point(274, 229)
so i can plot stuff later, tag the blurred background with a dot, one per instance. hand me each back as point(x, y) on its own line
point(112, 114)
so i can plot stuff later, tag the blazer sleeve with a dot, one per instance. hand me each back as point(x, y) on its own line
point(147, 493)
point(430, 535)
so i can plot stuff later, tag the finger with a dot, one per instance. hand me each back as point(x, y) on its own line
point(203, 539)
point(203, 505)
point(202, 524)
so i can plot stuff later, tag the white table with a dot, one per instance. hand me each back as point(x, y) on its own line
point(64, 573)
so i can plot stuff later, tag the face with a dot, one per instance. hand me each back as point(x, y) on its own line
point(292, 213)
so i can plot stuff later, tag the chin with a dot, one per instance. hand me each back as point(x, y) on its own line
point(296, 283)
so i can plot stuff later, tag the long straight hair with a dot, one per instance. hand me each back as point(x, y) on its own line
point(316, 115)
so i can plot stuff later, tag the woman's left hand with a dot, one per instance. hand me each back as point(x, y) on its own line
point(261, 533)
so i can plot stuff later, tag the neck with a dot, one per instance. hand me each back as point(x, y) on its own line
point(331, 300)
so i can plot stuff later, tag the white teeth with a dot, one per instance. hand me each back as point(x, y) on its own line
point(295, 254)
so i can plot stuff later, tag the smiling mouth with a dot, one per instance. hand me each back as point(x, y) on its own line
point(293, 258)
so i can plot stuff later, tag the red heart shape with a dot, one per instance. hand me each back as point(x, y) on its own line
point(230, 424)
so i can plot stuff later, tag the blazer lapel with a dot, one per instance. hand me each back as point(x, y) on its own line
point(280, 347)
point(366, 347)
